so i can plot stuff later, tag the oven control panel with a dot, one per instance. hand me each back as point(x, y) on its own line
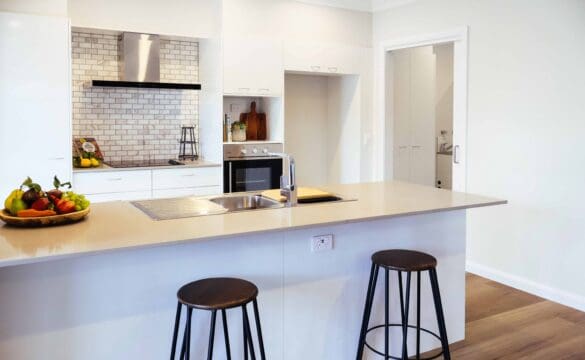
point(251, 150)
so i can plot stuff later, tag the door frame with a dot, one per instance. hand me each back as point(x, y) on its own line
point(459, 38)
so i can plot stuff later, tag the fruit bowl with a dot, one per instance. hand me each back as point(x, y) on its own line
point(43, 220)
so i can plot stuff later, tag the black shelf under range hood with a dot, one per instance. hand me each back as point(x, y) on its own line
point(145, 85)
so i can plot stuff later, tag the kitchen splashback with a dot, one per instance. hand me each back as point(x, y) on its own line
point(132, 124)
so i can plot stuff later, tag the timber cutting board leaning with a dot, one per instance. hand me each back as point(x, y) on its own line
point(256, 123)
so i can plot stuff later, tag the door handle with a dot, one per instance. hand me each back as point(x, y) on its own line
point(332, 69)
point(230, 176)
point(456, 154)
point(315, 68)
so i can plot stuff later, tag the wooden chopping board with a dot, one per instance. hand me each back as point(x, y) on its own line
point(256, 123)
point(303, 193)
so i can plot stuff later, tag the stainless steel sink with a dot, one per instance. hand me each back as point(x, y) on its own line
point(246, 202)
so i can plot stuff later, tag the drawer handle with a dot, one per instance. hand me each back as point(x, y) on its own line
point(57, 158)
point(244, 89)
point(264, 89)
point(315, 67)
point(188, 175)
point(332, 69)
point(115, 179)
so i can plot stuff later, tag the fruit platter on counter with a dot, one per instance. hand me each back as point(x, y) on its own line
point(31, 206)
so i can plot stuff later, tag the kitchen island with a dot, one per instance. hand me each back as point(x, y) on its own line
point(105, 288)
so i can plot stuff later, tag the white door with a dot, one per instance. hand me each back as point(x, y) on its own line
point(35, 118)
point(459, 172)
point(401, 106)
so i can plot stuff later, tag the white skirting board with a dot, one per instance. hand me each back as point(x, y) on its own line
point(550, 293)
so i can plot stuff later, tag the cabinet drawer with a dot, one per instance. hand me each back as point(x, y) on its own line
point(112, 181)
point(186, 178)
point(196, 191)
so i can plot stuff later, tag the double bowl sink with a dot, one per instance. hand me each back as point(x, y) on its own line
point(177, 208)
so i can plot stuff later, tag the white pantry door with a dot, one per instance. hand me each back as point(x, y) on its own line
point(35, 115)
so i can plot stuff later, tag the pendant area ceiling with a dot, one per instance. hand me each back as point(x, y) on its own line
point(360, 5)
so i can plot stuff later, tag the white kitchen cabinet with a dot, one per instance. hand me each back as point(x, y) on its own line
point(99, 186)
point(252, 67)
point(186, 178)
point(35, 103)
point(323, 58)
point(414, 115)
point(114, 185)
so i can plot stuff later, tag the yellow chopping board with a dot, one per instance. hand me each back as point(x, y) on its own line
point(303, 193)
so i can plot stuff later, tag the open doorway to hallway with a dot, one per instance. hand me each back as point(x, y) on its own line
point(419, 114)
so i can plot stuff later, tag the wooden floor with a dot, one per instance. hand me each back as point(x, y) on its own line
point(504, 323)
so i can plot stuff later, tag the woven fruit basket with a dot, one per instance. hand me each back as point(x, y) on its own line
point(43, 221)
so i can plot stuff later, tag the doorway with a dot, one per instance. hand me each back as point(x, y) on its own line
point(430, 145)
point(420, 84)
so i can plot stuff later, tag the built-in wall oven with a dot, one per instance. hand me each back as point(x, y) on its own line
point(250, 167)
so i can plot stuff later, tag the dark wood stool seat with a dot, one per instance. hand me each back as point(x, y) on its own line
point(404, 260)
point(217, 293)
point(213, 295)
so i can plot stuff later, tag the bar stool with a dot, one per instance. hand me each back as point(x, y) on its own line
point(218, 294)
point(403, 261)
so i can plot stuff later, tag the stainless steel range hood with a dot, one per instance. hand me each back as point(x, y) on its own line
point(139, 60)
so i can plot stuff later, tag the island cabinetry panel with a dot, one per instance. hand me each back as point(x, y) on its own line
point(35, 102)
point(253, 67)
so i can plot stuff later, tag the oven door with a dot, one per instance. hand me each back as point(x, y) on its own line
point(251, 174)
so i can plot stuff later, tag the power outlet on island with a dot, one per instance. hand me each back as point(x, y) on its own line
point(322, 243)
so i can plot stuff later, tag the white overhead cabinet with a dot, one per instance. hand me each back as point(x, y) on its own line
point(252, 67)
point(35, 116)
point(323, 58)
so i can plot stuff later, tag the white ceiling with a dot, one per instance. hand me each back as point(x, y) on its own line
point(361, 5)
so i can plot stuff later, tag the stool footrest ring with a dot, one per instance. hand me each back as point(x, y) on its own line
point(400, 325)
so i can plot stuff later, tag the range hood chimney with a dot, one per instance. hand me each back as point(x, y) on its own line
point(139, 60)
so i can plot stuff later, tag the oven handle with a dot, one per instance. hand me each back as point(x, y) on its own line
point(230, 174)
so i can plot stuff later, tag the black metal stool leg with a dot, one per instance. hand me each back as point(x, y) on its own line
point(259, 330)
point(367, 310)
point(226, 335)
point(249, 332)
point(440, 315)
point(418, 315)
point(211, 335)
point(387, 314)
point(176, 330)
point(405, 323)
point(245, 335)
point(187, 340)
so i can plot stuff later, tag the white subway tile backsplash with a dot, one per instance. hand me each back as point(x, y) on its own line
point(132, 123)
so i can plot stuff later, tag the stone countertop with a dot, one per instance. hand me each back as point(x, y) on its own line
point(188, 164)
point(119, 225)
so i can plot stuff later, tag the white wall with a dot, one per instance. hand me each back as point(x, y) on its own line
point(525, 133)
point(38, 7)
point(306, 114)
point(191, 18)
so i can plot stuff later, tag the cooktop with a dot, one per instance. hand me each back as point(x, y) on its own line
point(142, 163)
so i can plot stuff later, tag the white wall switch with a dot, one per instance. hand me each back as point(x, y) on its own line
point(322, 243)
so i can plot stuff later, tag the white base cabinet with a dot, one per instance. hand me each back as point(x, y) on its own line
point(146, 184)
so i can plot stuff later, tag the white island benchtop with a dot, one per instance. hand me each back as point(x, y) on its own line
point(120, 225)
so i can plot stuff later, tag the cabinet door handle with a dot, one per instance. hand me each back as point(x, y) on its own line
point(403, 147)
point(416, 147)
point(332, 69)
point(57, 158)
point(188, 175)
point(315, 67)
point(115, 179)
point(244, 89)
point(264, 89)
point(456, 154)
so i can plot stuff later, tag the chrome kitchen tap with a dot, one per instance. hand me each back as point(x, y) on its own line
point(288, 185)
